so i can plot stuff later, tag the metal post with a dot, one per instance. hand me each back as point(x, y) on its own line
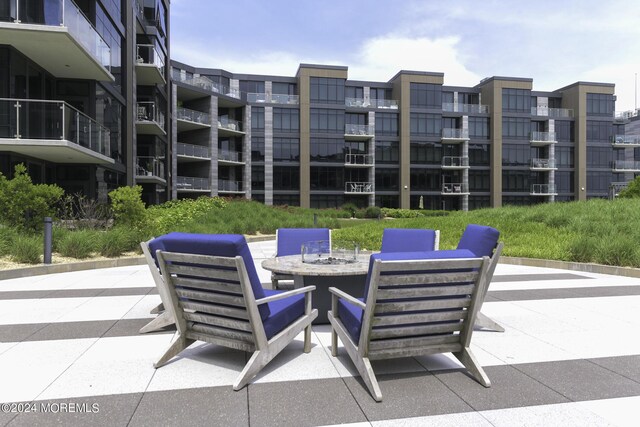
point(48, 234)
point(315, 220)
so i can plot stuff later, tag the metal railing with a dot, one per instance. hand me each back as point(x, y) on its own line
point(147, 111)
point(543, 136)
point(273, 98)
point(626, 140)
point(229, 124)
point(359, 159)
point(149, 166)
point(62, 13)
point(615, 188)
point(625, 115)
point(452, 133)
point(628, 165)
point(454, 188)
point(52, 120)
point(451, 107)
point(452, 161)
point(362, 130)
point(358, 187)
point(230, 186)
point(193, 116)
point(192, 183)
point(230, 156)
point(149, 54)
point(543, 164)
point(371, 103)
point(543, 189)
point(204, 83)
point(192, 150)
point(560, 113)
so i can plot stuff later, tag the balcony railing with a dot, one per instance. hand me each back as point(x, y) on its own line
point(149, 54)
point(204, 83)
point(629, 140)
point(192, 150)
point(543, 189)
point(455, 188)
point(358, 187)
point(52, 120)
point(229, 124)
point(150, 167)
point(452, 162)
point(451, 107)
point(148, 112)
point(371, 103)
point(193, 116)
point(274, 98)
point(360, 130)
point(543, 164)
point(189, 183)
point(359, 159)
point(229, 186)
point(560, 113)
point(230, 156)
point(61, 13)
point(625, 115)
point(549, 137)
point(452, 133)
point(626, 165)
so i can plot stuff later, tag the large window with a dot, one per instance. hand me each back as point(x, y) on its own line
point(516, 155)
point(426, 124)
point(479, 128)
point(599, 157)
point(327, 178)
point(426, 153)
point(564, 131)
point(326, 90)
point(386, 124)
point(479, 154)
point(257, 149)
point(600, 104)
point(250, 86)
point(286, 178)
point(564, 182)
point(516, 181)
point(286, 120)
point(479, 180)
point(387, 179)
point(283, 88)
point(286, 149)
point(426, 95)
point(598, 182)
point(286, 199)
point(426, 179)
point(387, 152)
point(329, 121)
point(257, 177)
point(599, 131)
point(516, 100)
point(564, 157)
point(327, 150)
point(257, 118)
point(515, 128)
point(354, 92)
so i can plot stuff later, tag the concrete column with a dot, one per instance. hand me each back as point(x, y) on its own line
point(268, 90)
point(246, 151)
point(464, 153)
point(173, 165)
point(371, 149)
point(268, 155)
point(455, 101)
point(213, 146)
point(234, 85)
point(367, 97)
point(552, 158)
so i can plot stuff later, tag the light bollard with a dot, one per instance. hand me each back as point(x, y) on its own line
point(48, 237)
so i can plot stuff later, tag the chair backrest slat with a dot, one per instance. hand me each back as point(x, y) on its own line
point(433, 304)
point(215, 331)
point(431, 265)
point(413, 342)
point(209, 273)
point(425, 279)
point(238, 345)
point(212, 297)
point(225, 322)
point(407, 330)
point(214, 309)
point(423, 292)
point(425, 317)
point(209, 285)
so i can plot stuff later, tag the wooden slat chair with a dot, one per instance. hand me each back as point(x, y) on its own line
point(218, 299)
point(409, 240)
point(482, 240)
point(289, 241)
point(413, 306)
point(164, 317)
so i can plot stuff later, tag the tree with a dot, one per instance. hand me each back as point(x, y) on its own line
point(632, 190)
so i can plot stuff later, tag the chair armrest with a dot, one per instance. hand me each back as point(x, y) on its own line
point(345, 296)
point(286, 294)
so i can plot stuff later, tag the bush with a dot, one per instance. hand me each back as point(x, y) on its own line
point(401, 213)
point(171, 215)
point(351, 208)
point(127, 206)
point(78, 244)
point(78, 211)
point(373, 212)
point(7, 237)
point(27, 250)
point(632, 190)
point(114, 242)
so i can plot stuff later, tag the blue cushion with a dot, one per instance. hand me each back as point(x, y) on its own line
point(351, 317)
point(479, 239)
point(290, 240)
point(407, 240)
point(283, 312)
point(228, 245)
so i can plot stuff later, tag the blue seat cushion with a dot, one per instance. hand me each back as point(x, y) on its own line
point(407, 240)
point(290, 240)
point(479, 239)
point(227, 245)
point(351, 317)
point(283, 312)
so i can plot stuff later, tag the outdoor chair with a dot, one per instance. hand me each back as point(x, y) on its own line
point(289, 241)
point(409, 240)
point(413, 306)
point(482, 240)
point(214, 295)
point(164, 317)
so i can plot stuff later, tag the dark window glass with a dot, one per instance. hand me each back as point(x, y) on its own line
point(250, 86)
point(329, 121)
point(478, 202)
point(426, 153)
point(599, 157)
point(286, 199)
point(257, 118)
point(426, 124)
point(600, 104)
point(354, 92)
point(479, 128)
point(327, 90)
point(564, 157)
point(387, 124)
point(257, 149)
point(286, 178)
point(479, 154)
point(479, 180)
point(283, 88)
point(564, 182)
point(355, 119)
point(379, 93)
point(564, 131)
point(286, 120)
point(327, 178)
point(515, 180)
point(598, 182)
point(387, 179)
point(426, 95)
point(257, 177)
point(599, 131)
point(515, 128)
point(327, 150)
point(426, 179)
point(286, 149)
point(387, 152)
point(468, 98)
point(322, 201)
point(516, 155)
point(516, 100)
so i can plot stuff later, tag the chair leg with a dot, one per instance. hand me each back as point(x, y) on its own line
point(175, 348)
point(469, 361)
point(334, 342)
point(363, 366)
point(484, 323)
point(164, 319)
point(258, 360)
point(307, 339)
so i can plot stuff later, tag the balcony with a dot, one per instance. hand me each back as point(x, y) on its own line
point(226, 186)
point(543, 190)
point(450, 107)
point(454, 136)
point(52, 131)
point(191, 152)
point(359, 160)
point(622, 141)
point(149, 119)
point(555, 113)
point(274, 98)
point(191, 119)
point(542, 165)
point(229, 127)
point(626, 166)
point(186, 184)
point(624, 116)
point(57, 36)
point(149, 65)
point(150, 170)
point(615, 188)
point(539, 139)
point(371, 103)
point(452, 162)
point(454, 189)
point(358, 188)
point(228, 157)
point(204, 83)
point(358, 132)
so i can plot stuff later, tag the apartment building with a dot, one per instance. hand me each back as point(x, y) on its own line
point(84, 93)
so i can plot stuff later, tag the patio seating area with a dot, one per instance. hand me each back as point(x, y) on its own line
point(70, 347)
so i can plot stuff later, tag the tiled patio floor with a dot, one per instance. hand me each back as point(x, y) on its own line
point(570, 356)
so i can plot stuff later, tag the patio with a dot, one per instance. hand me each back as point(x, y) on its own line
point(69, 344)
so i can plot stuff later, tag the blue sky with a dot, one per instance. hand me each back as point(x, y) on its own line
point(554, 42)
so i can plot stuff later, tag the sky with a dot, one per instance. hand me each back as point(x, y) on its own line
point(556, 43)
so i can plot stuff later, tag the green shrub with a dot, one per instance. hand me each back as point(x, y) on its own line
point(174, 214)
point(360, 214)
point(373, 212)
point(351, 208)
point(127, 206)
point(78, 244)
point(7, 237)
point(27, 250)
point(401, 213)
point(632, 190)
point(114, 242)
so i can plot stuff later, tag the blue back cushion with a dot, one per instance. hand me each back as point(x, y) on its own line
point(290, 240)
point(228, 245)
point(407, 240)
point(479, 239)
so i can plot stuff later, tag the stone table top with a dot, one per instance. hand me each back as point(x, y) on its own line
point(293, 265)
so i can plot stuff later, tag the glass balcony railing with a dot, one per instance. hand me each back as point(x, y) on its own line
point(626, 140)
point(193, 116)
point(560, 113)
point(230, 156)
point(452, 133)
point(454, 188)
point(455, 162)
point(371, 103)
point(149, 54)
point(626, 165)
point(384, 103)
point(226, 185)
point(148, 112)
point(543, 189)
point(361, 130)
point(358, 187)
point(150, 167)
point(274, 98)
point(625, 115)
point(543, 164)
point(60, 13)
point(192, 150)
point(192, 183)
point(204, 83)
point(543, 136)
point(451, 107)
point(52, 120)
point(229, 124)
point(359, 159)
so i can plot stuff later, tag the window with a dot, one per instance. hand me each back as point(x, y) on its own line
point(516, 155)
point(599, 157)
point(354, 92)
point(468, 98)
point(564, 131)
point(355, 119)
point(599, 131)
point(600, 104)
point(426, 179)
point(426, 153)
point(516, 100)
point(426, 95)
point(387, 124)
point(330, 121)
point(387, 179)
point(283, 88)
point(286, 178)
point(479, 180)
point(426, 124)
point(379, 93)
point(513, 180)
point(327, 150)
point(257, 177)
point(286, 149)
point(598, 182)
point(386, 201)
point(286, 120)
point(322, 201)
point(257, 149)
point(257, 118)
point(327, 178)
point(248, 86)
point(387, 152)
point(479, 154)
point(326, 90)
point(515, 128)
point(286, 199)
point(564, 157)
point(479, 128)
point(564, 182)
